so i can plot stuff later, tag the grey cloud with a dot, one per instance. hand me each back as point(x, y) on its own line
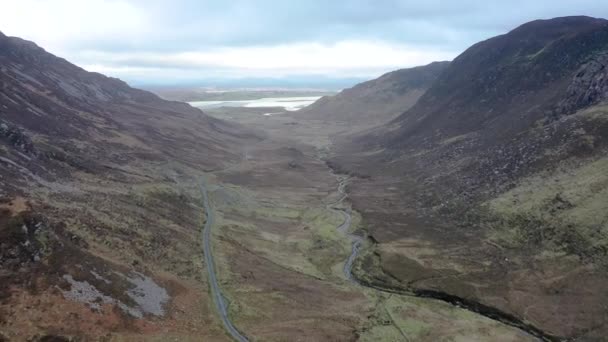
point(193, 25)
point(189, 24)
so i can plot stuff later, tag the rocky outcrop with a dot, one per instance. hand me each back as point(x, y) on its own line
point(589, 86)
point(20, 244)
point(16, 138)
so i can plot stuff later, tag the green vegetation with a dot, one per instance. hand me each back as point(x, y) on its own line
point(313, 248)
point(566, 210)
point(599, 112)
point(404, 318)
point(367, 268)
point(329, 247)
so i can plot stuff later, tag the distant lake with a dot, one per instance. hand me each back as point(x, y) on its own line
point(289, 103)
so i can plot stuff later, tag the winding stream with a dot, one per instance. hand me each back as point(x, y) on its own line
point(356, 245)
point(356, 240)
point(463, 303)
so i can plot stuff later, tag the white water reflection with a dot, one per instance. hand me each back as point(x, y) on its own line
point(289, 103)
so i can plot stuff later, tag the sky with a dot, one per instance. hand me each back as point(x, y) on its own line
point(299, 43)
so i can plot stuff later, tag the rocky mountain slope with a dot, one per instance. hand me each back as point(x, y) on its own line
point(100, 207)
point(377, 101)
point(492, 188)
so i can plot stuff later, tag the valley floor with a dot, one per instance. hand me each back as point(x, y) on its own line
point(281, 232)
point(280, 255)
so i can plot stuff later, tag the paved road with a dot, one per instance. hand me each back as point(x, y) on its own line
point(220, 302)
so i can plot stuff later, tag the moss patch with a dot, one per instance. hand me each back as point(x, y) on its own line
point(563, 210)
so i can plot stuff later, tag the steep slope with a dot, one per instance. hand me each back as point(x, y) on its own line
point(377, 101)
point(99, 202)
point(504, 84)
point(491, 188)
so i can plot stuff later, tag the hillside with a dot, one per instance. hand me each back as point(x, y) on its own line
point(377, 101)
point(492, 187)
point(100, 207)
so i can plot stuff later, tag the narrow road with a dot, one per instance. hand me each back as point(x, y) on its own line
point(343, 228)
point(220, 302)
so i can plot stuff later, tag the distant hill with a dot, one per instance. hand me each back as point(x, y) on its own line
point(493, 187)
point(194, 94)
point(377, 101)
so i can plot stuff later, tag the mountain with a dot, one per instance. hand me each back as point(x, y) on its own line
point(377, 101)
point(100, 202)
point(492, 188)
point(524, 73)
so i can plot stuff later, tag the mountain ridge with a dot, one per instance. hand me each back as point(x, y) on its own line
point(389, 95)
point(493, 68)
point(99, 192)
point(444, 187)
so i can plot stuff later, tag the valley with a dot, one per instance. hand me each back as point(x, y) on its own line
point(460, 196)
point(453, 201)
point(288, 234)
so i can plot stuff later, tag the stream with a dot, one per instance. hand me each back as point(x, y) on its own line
point(356, 240)
point(463, 303)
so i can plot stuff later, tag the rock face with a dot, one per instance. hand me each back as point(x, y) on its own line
point(16, 138)
point(483, 188)
point(87, 121)
point(589, 86)
point(377, 101)
point(503, 85)
point(47, 96)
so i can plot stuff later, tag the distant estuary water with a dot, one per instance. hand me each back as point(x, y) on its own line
point(289, 103)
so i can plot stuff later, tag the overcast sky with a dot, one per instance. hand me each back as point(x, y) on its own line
point(206, 41)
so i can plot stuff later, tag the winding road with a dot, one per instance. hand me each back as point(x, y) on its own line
point(357, 241)
point(220, 302)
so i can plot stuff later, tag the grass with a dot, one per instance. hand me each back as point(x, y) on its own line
point(599, 112)
point(404, 318)
point(313, 249)
point(562, 210)
point(329, 247)
point(368, 268)
point(381, 333)
point(322, 222)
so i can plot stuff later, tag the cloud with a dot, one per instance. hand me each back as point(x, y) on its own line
point(268, 37)
point(64, 24)
point(355, 58)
